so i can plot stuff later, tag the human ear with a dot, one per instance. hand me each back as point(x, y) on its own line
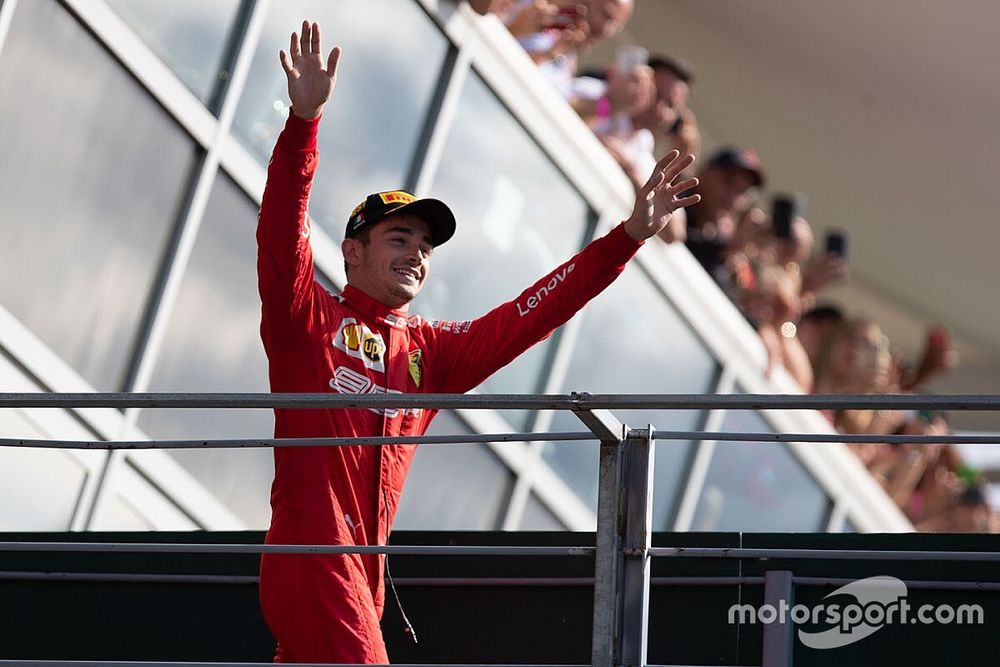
point(352, 250)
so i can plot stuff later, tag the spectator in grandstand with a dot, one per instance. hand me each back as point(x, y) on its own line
point(773, 306)
point(855, 359)
point(673, 79)
point(814, 326)
point(725, 183)
point(938, 356)
point(577, 27)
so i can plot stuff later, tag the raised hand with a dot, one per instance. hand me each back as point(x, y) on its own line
point(659, 197)
point(309, 84)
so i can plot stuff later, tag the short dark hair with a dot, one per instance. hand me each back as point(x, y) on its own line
point(365, 236)
point(825, 313)
point(679, 68)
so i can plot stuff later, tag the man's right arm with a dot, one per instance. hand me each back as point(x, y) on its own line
point(284, 256)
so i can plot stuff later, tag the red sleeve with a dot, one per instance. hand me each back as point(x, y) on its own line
point(468, 353)
point(285, 274)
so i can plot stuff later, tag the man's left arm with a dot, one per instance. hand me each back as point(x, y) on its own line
point(468, 353)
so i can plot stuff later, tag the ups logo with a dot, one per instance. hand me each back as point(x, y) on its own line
point(373, 348)
point(360, 342)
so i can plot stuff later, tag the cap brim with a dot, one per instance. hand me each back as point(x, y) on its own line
point(435, 213)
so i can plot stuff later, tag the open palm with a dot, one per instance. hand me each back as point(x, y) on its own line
point(310, 84)
point(660, 196)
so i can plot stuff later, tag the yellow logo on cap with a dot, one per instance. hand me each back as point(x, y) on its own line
point(396, 197)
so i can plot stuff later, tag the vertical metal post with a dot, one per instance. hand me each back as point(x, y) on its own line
point(778, 636)
point(606, 641)
point(637, 514)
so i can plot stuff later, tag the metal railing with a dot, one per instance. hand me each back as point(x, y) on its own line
point(623, 549)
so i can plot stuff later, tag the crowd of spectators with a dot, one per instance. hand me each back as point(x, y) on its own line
point(764, 259)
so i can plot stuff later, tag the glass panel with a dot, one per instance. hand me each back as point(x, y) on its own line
point(392, 56)
point(454, 487)
point(117, 513)
point(189, 35)
point(758, 486)
point(90, 183)
point(39, 488)
point(633, 341)
point(537, 516)
point(212, 344)
point(132, 503)
point(519, 219)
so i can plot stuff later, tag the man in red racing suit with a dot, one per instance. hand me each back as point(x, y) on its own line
point(326, 608)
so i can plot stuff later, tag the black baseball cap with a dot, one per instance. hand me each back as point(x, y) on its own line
point(741, 158)
point(379, 206)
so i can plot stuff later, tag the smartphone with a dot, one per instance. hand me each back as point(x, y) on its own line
point(784, 209)
point(836, 243)
point(630, 57)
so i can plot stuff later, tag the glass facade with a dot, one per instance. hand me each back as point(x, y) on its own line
point(632, 340)
point(758, 486)
point(384, 89)
point(190, 36)
point(95, 182)
point(91, 184)
point(518, 218)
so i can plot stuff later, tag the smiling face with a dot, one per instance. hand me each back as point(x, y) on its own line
point(392, 264)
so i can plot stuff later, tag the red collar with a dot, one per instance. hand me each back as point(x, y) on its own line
point(373, 308)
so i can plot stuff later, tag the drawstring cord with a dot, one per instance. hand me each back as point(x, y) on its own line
point(407, 626)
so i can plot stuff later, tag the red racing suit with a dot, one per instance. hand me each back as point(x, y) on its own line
point(327, 608)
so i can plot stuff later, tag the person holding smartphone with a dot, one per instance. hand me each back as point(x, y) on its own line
point(326, 608)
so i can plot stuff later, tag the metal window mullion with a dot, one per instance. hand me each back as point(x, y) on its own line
point(702, 458)
point(838, 515)
point(6, 16)
point(148, 347)
point(562, 356)
point(441, 117)
point(158, 79)
point(199, 200)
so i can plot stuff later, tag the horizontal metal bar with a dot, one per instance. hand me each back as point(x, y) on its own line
point(469, 582)
point(465, 582)
point(730, 436)
point(140, 663)
point(132, 578)
point(719, 436)
point(574, 401)
point(296, 442)
point(821, 554)
point(913, 585)
point(407, 549)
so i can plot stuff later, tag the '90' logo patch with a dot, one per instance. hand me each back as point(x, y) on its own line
point(358, 341)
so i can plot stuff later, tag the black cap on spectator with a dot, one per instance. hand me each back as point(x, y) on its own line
point(680, 68)
point(742, 158)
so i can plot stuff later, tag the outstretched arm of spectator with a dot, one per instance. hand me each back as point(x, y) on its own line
point(660, 197)
point(309, 83)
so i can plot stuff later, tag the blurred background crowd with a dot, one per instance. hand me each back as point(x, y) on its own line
point(761, 251)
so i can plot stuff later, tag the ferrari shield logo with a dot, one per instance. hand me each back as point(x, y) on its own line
point(415, 371)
